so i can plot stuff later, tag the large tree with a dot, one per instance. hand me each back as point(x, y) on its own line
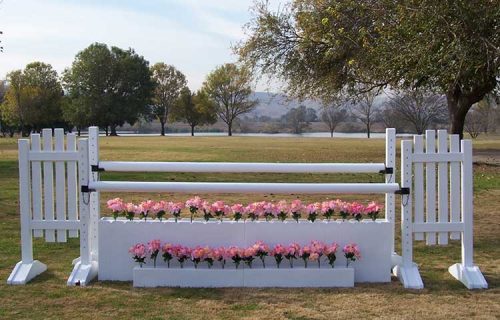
point(109, 85)
point(418, 108)
point(168, 85)
point(195, 109)
point(297, 119)
point(33, 98)
point(333, 113)
point(229, 86)
point(363, 109)
point(322, 46)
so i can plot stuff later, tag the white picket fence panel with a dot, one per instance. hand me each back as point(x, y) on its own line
point(454, 203)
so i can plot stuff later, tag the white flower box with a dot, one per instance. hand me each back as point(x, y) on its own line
point(372, 237)
point(243, 277)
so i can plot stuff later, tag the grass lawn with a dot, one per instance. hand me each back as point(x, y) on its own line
point(48, 297)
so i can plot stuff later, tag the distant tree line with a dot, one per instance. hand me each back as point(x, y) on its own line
point(109, 87)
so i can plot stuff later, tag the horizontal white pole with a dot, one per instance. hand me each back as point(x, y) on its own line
point(438, 227)
point(243, 167)
point(55, 224)
point(438, 157)
point(232, 187)
point(53, 156)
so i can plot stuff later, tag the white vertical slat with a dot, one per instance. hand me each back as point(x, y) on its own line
point(390, 162)
point(36, 184)
point(72, 184)
point(406, 205)
point(430, 185)
point(455, 186)
point(60, 185)
point(24, 201)
point(443, 186)
point(48, 185)
point(467, 206)
point(93, 150)
point(418, 186)
point(84, 200)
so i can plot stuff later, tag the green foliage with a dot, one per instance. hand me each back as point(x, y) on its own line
point(299, 119)
point(194, 109)
point(168, 85)
point(107, 87)
point(229, 86)
point(33, 98)
point(322, 47)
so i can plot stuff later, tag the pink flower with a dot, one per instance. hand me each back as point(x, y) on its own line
point(278, 252)
point(261, 251)
point(154, 247)
point(292, 252)
point(138, 253)
point(138, 250)
point(194, 203)
point(168, 253)
point(313, 210)
point(220, 209)
point(331, 248)
point(181, 253)
point(236, 255)
point(296, 209)
point(331, 253)
point(351, 251)
point(314, 256)
point(248, 255)
point(175, 209)
point(238, 210)
point(357, 210)
point(270, 210)
point(373, 209)
point(116, 205)
point(296, 206)
point(282, 208)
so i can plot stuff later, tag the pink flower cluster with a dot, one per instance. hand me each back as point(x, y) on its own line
point(314, 251)
point(146, 209)
point(253, 211)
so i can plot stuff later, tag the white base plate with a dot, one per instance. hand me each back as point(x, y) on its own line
point(24, 272)
point(82, 274)
point(409, 276)
point(471, 277)
point(259, 278)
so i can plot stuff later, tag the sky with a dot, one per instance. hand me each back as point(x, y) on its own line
point(193, 35)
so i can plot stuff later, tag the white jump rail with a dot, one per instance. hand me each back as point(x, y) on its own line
point(454, 221)
point(241, 167)
point(229, 187)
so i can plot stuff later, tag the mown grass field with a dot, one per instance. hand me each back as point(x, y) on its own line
point(48, 297)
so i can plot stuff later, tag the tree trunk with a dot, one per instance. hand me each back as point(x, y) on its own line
point(106, 130)
point(331, 133)
point(79, 131)
point(113, 131)
point(162, 123)
point(368, 129)
point(192, 131)
point(459, 104)
point(230, 129)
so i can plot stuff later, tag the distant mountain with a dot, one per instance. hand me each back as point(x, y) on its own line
point(275, 105)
